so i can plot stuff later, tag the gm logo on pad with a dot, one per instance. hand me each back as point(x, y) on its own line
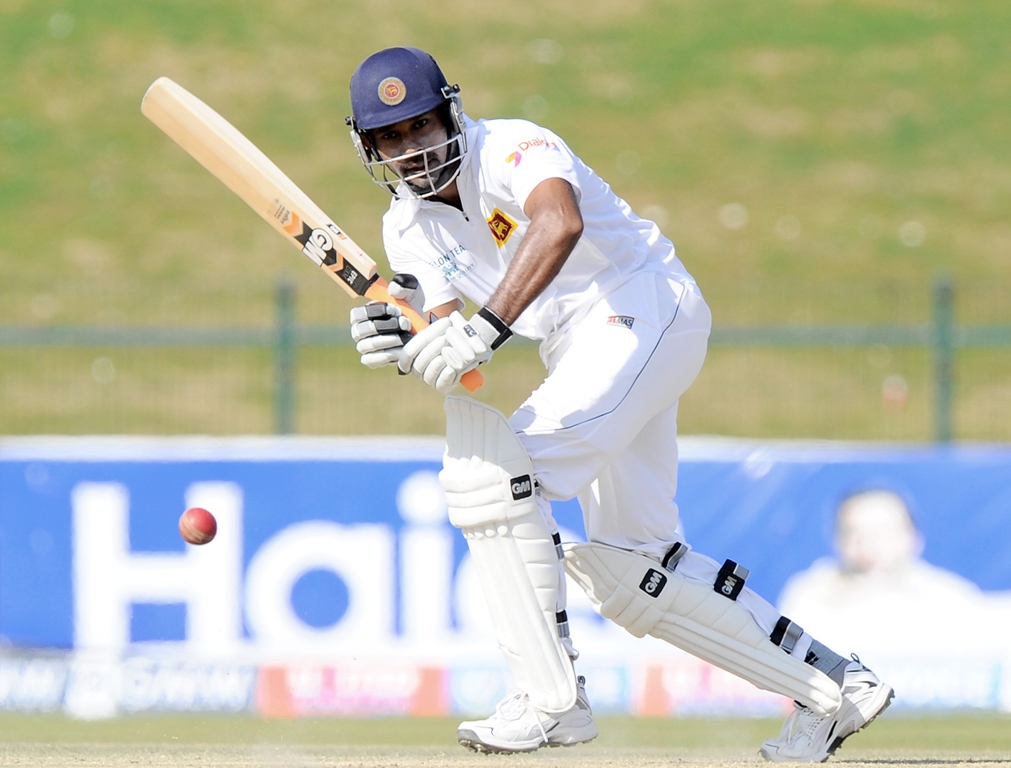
point(522, 487)
point(653, 583)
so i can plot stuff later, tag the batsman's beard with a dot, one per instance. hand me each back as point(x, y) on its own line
point(422, 172)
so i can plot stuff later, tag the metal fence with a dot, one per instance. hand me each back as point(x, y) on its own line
point(289, 376)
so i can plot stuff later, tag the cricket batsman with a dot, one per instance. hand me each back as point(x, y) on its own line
point(503, 213)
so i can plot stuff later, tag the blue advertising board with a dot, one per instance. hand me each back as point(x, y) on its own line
point(344, 544)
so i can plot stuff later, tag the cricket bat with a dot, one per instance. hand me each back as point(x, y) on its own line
point(220, 148)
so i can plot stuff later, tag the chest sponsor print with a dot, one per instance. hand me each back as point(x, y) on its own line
point(501, 226)
point(449, 263)
point(623, 321)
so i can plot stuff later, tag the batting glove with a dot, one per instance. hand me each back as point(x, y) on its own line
point(405, 287)
point(451, 346)
point(380, 330)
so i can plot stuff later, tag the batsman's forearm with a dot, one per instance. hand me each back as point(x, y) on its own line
point(556, 225)
point(537, 262)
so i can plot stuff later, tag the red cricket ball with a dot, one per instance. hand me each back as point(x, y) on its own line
point(197, 525)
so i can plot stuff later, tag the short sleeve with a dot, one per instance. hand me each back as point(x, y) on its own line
point(531, 155)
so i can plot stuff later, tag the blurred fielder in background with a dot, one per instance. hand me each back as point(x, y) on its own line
point(501, 212)
point(878, 592)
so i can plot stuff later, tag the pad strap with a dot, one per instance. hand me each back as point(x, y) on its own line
point(786, 634)
point(675, 553)
point(730, 580)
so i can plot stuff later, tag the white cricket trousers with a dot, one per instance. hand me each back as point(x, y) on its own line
point(603, 425)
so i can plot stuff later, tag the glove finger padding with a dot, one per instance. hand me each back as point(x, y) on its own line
point(380, 358)
point(428, 356)
point(432, 373)
point(430, 341)
point(379, 331)
point(448, 378)
point(396, 326)
point(380, 342)
point(374, 310)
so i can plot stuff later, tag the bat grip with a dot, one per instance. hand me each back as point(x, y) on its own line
point(379, 291)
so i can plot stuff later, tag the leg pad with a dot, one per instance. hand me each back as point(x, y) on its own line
point(488, 480)
point(640, 595)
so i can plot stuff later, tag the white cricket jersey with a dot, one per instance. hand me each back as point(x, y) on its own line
point(458, 254)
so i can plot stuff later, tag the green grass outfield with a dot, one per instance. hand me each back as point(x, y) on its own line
point(814, 162)
point(175, 740)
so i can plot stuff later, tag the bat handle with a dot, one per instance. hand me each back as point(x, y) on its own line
point(378, 291)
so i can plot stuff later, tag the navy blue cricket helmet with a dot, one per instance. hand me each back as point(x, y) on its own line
point(397, 84)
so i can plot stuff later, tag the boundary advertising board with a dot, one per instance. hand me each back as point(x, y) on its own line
point(337, 586)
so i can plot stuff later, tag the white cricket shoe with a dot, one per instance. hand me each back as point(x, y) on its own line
point(518, 726)
point(810, 738)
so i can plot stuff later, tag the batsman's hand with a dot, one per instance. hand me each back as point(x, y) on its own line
point(380, 330)
point(448, 348)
